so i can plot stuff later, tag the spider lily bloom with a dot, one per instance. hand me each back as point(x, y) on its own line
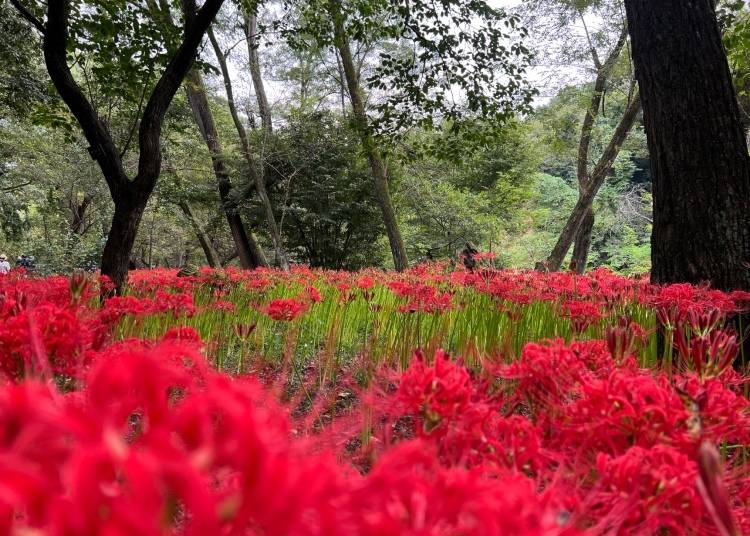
point(709, 355)
point(285, 309)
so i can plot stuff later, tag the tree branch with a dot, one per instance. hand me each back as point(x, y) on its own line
point(26, 14)
point(603, 72)
point(131, 131)
point(599, 174)
point(592, 48)
point(153, 116)
point(14, 187)
point(102, 147)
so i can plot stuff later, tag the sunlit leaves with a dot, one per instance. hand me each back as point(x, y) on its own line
point(437, 62)
point(122, 43)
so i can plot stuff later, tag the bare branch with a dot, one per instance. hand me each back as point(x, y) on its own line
point(26, 14)
point(14, 187)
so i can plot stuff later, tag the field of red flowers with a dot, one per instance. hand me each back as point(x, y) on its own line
point(434, 402)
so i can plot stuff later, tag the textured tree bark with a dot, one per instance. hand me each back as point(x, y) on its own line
point(699, 160)
point(120, 240)
point(377, 164)
point(582, 243)
point(257, 175)
point(129, 197)
point(250, 253)
point(212, 257)
point(586, 198)
point(251, 37)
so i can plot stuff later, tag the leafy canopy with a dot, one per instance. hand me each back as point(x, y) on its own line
point(438, 61)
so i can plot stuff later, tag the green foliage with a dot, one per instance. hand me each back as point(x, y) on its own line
point(123, 43)
point(442, 81)
point(22, 81)
point(329, 216)
point(440, 217)
point(447, 202)
point(431, 52)
point(735, 21)
point(45, 178)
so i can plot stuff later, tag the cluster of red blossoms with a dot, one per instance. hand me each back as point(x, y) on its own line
point(119, 437)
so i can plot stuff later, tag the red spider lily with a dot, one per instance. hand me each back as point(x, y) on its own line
point(581, 314)
point(365, 282)
point(620, 411)
point(313, 295)
point(285, 309)
point(183, 333)
point(646, 491)
point(143, 436)
point(224, 305)
point(708, 355)
point(712, 490)
point(724, 416)
point(436, 392)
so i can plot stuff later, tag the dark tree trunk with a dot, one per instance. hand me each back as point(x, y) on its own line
point(78, 217)
point(250, 253)
point(582, 243)
point(699, 161)
point(212, 257)
point(377, 163)
point(120, 240)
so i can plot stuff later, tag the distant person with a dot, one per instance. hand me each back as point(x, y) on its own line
point(4, 264)
point(469, 256)
point(26, 262)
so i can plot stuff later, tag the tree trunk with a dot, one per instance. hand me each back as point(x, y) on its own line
point(78, 217)
point(257, 175)
point(585, 182)
point(212, 257)
point(250, 253)
point(582, 243)
point(699, 161)
point(120, 240)
point(251, 37)
point(586, 197)
point(377, 165)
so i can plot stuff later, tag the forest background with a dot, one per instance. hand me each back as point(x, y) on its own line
point(507, 186)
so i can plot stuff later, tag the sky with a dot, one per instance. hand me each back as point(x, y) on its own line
point(278, 91)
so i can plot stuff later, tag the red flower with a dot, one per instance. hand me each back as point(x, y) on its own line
point(285, 309)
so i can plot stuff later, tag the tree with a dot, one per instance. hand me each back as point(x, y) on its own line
point(22, 81)
point(254, 168)
point(129, 196)
point(435, 51)
point(329, 214)
point(602, 50)
point(212, 257)
point(250, 28)
point(459, 193)
point(699, 158)
point(374, 155)
point(249, 252)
